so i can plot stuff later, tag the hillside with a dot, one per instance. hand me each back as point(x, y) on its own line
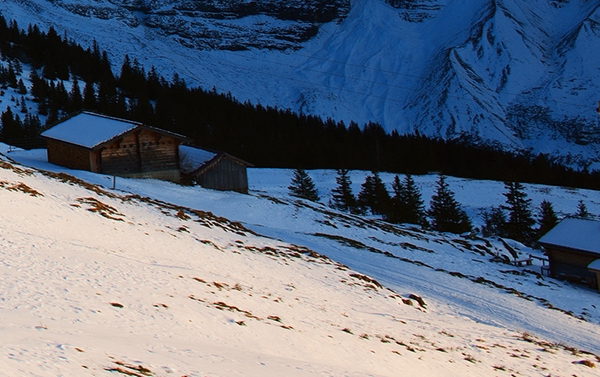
point(520, 76)
point(159, 279)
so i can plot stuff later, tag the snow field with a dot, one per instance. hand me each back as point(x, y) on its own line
point(96, 281)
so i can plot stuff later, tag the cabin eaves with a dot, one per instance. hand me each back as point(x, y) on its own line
point(92, 131)
point(574, 234)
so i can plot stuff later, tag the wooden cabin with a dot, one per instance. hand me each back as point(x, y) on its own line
point(213, 170)
point(107, 145)
point(573, 250)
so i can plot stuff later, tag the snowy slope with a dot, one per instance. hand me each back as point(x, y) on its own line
point(241, 292)
point(519, 74)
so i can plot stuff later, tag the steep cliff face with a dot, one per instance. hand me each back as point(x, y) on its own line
point(218, 24)
point(519, 75)
point(523, 76)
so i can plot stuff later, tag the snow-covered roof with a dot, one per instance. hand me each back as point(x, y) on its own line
point(89, 130)
point(595, 265)
point(574, 233)
point(193, 158)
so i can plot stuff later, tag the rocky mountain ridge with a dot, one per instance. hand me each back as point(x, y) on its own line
point(520, 76)
point(216, 24)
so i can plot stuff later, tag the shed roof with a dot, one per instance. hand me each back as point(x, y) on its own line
point(90, 130)
point(595, 265)
point(574, 233)
point(195, 160)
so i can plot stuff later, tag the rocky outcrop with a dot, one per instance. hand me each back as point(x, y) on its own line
point(221, 24)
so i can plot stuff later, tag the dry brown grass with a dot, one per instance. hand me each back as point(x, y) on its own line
point(16, 169)
point(66, 178)
point(182, 215)
point(130, 370)
point(372, 283)
point(105, 210)
point(223, 306)
point(587, 363)
point(21, 187)
point(418, 299)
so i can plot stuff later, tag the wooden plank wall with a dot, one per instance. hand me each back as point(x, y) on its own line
point(121, 157)
point(158, 152)
point(141, 152)
point(67, 155)
point(565, 262)
point(226, 174)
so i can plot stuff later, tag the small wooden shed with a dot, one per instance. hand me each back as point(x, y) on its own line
point(107, 145)
point(573, 249)
point(213, 170)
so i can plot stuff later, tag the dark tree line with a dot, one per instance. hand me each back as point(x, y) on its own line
point(263, 135)
point(514, 219)
point(404, 206)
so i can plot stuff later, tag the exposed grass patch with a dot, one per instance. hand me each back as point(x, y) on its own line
point(223, 306)
point(8, 166)
point(66, 178)
point(470, 358)
point(105, 210)
point(182, 215)
point(587, 363)
point(374, 284)
point(21, 187)
point(130, 370)
point(418, 299)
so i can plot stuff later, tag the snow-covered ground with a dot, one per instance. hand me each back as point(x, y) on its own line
point(158, 279)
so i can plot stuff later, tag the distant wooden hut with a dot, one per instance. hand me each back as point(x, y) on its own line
point(213, 170)
point(573, 250)
point(107, 145)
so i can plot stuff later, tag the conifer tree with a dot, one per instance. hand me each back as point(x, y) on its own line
point(107, 93)
point(11, 125)
point(407, 205)
point(39, 87)
point(494, 222)
point(366, 193)
point(519, 225)
point(373, 195)
point(397, 205)
point(75, 98)
point(21, 89)
point(89, 96)
point(341, 196)
point(125, 77)
point(582, 211)
point(302, 186)
point(43, 107)
point(547, 218)
point(60, 96)
point(11, 77)
point(22, 105)
point(31, 125)
point(445, 212)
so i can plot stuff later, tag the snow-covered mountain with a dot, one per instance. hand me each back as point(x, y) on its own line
point(158, 279)
point(521, 75)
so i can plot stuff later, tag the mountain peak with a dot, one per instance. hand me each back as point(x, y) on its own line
point(519, 76)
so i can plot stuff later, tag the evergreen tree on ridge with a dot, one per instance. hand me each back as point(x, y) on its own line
point(302, 186)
